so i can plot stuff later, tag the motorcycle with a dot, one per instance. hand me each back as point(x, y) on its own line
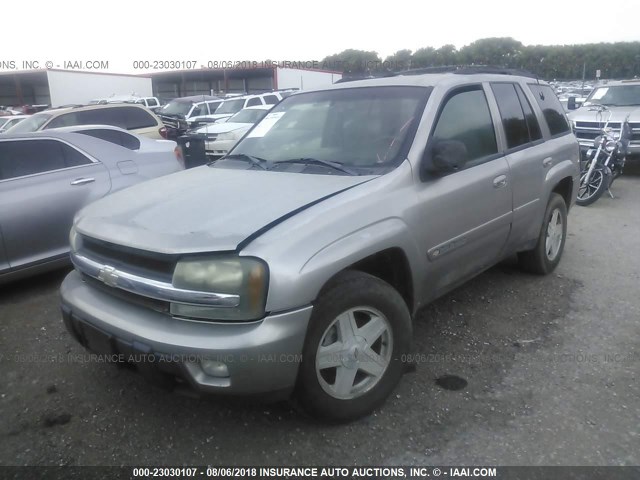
point(604, 162)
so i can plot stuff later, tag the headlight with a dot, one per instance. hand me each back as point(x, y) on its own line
point(74, 239)
point(243, 276)
point(228, 136)
point(610, 145)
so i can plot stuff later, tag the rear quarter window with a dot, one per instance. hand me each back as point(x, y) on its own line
point(252, 102)
point(135, 118)
point(271, 99)
point(114, 136)
point(551, 109)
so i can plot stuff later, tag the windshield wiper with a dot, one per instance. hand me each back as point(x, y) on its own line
point(260, 162)
point(309, 161)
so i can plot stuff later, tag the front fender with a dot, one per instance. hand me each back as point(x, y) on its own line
point(301, 287)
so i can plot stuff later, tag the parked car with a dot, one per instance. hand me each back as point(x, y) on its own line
point(622, 100)
point(134, 118)
point(46, 177)
point(126, 139)
point(7, 122)
point(179, 113)
point(296, 263)
point(221, 137)
point(4, 111)
point(233, 105)
point(152, 103)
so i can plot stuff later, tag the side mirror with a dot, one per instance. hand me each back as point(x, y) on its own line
point(571, 103)
point(445, 156)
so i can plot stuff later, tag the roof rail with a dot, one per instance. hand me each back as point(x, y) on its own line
point(469, 70)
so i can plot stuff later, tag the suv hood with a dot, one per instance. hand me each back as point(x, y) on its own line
point(205, 209)
point(618, 114)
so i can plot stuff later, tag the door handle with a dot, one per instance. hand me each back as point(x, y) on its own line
point(547, 162)
point(500, 181)
point(82, 181)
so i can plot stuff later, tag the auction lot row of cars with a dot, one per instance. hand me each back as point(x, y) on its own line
point(317, 233)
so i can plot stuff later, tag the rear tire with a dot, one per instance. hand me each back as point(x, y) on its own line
point(545, 256)
point(354, 351)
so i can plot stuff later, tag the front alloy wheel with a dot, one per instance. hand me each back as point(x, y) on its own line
point(354, 352)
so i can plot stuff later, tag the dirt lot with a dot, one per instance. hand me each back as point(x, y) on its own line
point(550, 365)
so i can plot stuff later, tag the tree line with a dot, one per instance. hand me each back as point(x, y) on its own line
point(619, 60)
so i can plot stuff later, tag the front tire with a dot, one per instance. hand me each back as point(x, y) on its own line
point(358, 336)
point(598, 183)
point(545, 256)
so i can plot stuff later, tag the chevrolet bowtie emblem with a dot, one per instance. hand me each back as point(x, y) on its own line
point(108, 275)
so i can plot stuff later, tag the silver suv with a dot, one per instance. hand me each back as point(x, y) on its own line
point(622, 100)
point(297, 261)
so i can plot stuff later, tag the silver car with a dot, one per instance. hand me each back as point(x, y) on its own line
point(45, 178)
point(297, 261)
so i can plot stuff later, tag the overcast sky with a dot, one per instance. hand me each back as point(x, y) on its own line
point(123, 31)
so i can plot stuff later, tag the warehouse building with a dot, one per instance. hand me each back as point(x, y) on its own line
point(67, 87)
point(64, 87)
point(184, 83)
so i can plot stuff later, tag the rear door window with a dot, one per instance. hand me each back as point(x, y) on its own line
point(532, 121)
point(511, 114)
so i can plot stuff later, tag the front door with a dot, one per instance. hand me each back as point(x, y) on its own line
point(465, 216)
point(43, 183)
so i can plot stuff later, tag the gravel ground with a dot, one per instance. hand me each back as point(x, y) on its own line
point(543, 371)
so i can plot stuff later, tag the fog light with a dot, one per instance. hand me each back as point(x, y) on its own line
point(214, 368)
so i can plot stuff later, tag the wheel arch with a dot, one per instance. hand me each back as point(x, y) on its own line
point(564, 188)
point(390, 265)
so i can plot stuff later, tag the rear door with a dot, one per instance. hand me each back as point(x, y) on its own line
point(528, 155)
point(43, 183)
point(465, 216)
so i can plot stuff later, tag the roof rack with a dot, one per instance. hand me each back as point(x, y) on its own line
point(469, 70)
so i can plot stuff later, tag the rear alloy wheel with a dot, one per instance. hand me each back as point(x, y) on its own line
point(545, 256)
point(359, 333)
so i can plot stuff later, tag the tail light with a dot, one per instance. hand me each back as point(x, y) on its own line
point(163, 132)
point(179, 156)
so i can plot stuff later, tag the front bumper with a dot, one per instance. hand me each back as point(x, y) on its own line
point(260, 357)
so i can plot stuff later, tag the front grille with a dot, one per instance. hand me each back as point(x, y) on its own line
point(588, 131)
point(169, 122)
point(141, 262)
point(153, 304)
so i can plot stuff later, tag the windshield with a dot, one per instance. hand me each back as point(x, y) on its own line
point(248, 116)
point(3, 120)
point(31, 124)
point(356, 127)
point(176, 108)
point(231, 106)
point(619, 96)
